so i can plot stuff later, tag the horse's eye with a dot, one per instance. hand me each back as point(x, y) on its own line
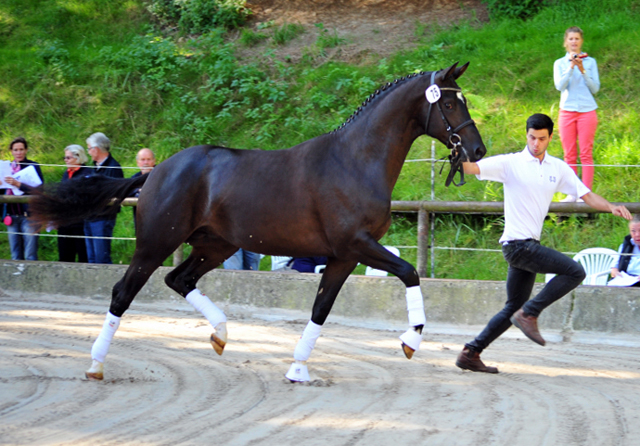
point(448, 105)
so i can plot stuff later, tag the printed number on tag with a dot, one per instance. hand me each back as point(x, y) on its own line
point(433, 93)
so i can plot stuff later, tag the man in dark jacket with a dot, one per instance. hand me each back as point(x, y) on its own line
point(99, 248)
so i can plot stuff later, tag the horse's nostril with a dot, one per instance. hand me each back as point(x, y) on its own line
point(480, 152)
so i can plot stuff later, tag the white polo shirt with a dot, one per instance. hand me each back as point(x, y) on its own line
point(529, 186)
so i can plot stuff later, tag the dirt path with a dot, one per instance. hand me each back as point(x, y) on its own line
point(165, 385)
point(369, 29)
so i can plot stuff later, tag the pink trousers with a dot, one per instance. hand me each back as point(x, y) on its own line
point(578, 128)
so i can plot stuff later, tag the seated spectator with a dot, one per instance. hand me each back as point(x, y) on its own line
point(23, 239)
point(307, 264)
point(630, 264)
point(243, 259)
point(71, 247)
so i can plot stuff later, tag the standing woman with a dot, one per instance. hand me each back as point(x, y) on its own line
point(23, 239)
point(576, 77)
point(68, 247)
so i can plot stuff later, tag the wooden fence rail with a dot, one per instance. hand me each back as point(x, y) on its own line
point(424, 208)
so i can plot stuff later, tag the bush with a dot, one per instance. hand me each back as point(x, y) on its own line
point(514, 9)
point(199, 16)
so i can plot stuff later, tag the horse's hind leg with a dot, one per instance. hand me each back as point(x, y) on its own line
point(145, 261)
point(332, 280)
point(184, 278)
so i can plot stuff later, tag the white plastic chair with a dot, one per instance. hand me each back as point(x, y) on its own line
point(597, 263)
point(378, 272)
point(278, 262)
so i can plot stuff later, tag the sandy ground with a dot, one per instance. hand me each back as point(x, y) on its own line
point(164, 384)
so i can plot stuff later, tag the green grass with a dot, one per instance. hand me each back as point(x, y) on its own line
point(72, 67)
point(287, 32)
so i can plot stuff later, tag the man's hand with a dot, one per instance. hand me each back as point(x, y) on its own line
point(621, 211)
point(471, 168)
point(597, 202)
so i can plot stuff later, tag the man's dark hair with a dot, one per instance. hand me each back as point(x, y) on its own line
point(539, 122)
point(18, 139)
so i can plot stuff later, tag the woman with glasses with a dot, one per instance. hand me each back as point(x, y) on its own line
point(70, 247)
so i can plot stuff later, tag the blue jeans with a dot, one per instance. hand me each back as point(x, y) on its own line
point(99, 249)
point(23, 247)
point(243, 260)
point(526, 258)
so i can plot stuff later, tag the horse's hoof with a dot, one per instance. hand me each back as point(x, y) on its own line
point(408, 351)
point(298, 373)
point(219, 338)
point(410, 342)
point(96, 372)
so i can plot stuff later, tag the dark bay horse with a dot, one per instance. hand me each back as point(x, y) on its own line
point(329, 196)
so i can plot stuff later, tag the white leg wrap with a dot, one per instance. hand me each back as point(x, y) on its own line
point(208, 309)
point(415, 306)
point(101, 345)
point(411, 338)
point(307, 342)
point(298, 372)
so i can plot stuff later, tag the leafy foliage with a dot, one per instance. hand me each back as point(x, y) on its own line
point(199, 16)
point(514, 9)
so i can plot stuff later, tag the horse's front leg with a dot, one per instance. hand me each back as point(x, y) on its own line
point(375, 255)
point(332, 280)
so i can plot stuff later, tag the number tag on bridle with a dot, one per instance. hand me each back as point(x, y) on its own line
point(433, 93)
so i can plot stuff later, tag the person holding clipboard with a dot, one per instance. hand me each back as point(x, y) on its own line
point(23, 240)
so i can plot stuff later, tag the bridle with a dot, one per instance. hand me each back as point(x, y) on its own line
point(458, 153)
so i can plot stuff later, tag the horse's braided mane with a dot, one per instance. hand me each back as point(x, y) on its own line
point(384, 89)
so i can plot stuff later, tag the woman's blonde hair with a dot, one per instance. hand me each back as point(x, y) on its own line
point(77, 152)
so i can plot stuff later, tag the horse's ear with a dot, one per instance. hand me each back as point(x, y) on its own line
point(449, 72)
point(460, 70)
point(454, 71)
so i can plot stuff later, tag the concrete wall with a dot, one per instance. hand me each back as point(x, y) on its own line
point(460, 302)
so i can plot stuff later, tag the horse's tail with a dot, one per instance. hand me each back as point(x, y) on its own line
point(80, 199)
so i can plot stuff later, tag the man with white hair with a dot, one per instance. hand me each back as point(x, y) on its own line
point(99, 248)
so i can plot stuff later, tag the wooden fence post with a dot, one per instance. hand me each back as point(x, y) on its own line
point(423, 241)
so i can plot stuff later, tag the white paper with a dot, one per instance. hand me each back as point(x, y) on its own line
point(28, 176)
point(5, 171)
point(623, 279)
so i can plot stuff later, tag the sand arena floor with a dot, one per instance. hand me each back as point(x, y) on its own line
point(164, 385)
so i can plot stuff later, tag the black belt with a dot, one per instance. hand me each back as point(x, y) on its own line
point(513, 242)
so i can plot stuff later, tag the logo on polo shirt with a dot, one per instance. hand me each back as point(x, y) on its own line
point(552, 179)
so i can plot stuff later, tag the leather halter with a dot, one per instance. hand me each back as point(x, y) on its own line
point(458, 152)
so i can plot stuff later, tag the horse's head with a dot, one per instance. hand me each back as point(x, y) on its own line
point(447, 119)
